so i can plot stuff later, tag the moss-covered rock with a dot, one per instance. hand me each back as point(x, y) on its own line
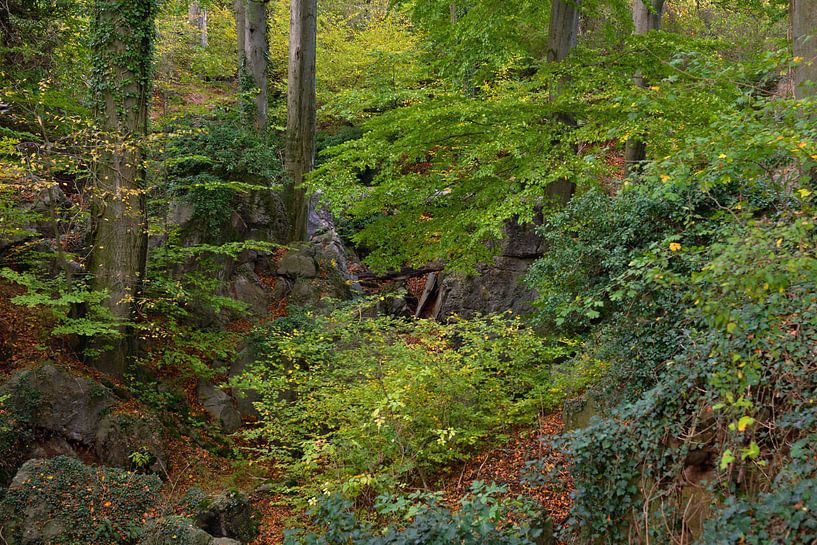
point(63, 501)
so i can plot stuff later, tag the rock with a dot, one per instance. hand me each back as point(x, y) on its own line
point(578, 412)
point(244, 398)
point(49, 501)
point(297, 265)
point(497, 288)
point(246, 286)
point(55, 401)
point(224, 541)
point(228, 515)
point(119, 436)
point(174, 531)
point(219, 406)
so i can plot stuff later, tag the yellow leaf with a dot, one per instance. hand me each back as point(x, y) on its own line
point(655, 88)
point(665, 178)
point(804, 193)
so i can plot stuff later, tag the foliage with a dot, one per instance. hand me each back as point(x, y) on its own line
point(704, 274)
point(439, 178)
point(62, 300)
point(422, 518)
point(378, 401)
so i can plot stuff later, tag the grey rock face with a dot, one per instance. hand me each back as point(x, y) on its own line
point(119, 436)
point(229, 516)
point(174, 530)
point(219, 406)
point(58, 402)
point(297, 265)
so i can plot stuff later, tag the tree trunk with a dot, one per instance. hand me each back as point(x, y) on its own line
point(256, 52)
point(564, 28)
point(240, 32)
point(300, 152)
point(122, 54)
point(562, 36)
point(197, 16)
point(804, 43)
point(646, 18)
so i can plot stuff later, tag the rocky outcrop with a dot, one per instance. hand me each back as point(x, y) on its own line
point(62, 500)
point(219, 405)
point(228, 516)
point(497, 287)
point(62, 413)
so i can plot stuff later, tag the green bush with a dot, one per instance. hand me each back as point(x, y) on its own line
point(479, 519)
point(378, 401)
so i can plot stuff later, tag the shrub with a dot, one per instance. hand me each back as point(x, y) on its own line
point(380, 401)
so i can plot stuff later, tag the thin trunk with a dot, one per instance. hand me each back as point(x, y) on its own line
point(197, 17)
point(562, 36)
point(646, 18)
point(239, 9)
point(452, 9)
point(256, 52)
point(301, 103)
point(804, 43)
point(119, 212)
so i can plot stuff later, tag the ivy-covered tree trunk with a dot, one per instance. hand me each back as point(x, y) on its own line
point(300, 149)
point(562, 35)
point(197, 15)
point(122, 42)
point(256, 53)
point(646, 18)
point(804, 43)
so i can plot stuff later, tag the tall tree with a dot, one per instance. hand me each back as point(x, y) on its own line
point(562, 35)
point(256, 54)
point(301, 104)
point(239, 9)
point(197, 15)
point(122, 41)
point(646, 18)
point(804, 42)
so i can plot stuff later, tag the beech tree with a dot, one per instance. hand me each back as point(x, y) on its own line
point(300, 148)
point(253, 51)
point(197, 16)
point(562, 35)
point(804, 42)
point(122, 41)
point(646, 18)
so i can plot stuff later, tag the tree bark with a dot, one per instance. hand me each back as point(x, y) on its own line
point(301, 104)
point(562, 36)
point(564, 28)
point(122, 56)
point(256, 53)
point(240, 32)
point(646, 18)
point(197, 16)
point(804, 43)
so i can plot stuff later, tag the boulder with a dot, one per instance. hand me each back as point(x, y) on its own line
point(297, 265)
point(228, 516)
point(62, 500)
point(53, 400)
point(120, 436)
point(174, 531)
point(219, 405)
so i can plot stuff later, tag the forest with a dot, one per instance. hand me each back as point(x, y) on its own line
point(408, 272)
